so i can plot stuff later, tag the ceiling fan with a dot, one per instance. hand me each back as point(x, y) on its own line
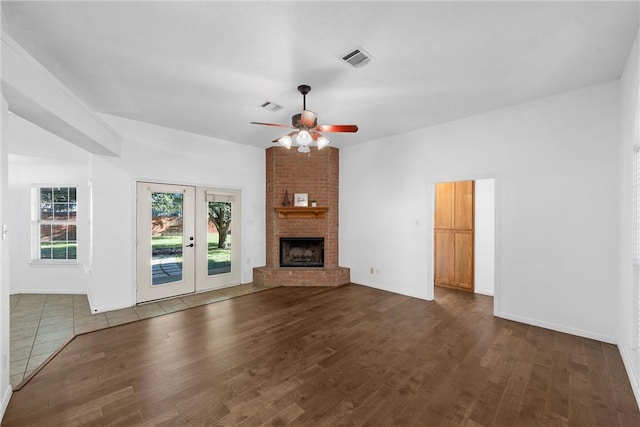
point(307, 128)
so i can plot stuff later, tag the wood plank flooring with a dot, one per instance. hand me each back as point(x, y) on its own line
point(41, 324)
point(347, 356)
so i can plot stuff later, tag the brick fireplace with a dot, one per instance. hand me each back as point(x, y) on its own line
point(315, 174)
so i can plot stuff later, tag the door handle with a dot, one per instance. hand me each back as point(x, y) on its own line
point(190, 246)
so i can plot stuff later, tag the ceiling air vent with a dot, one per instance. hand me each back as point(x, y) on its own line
point(271, 106)
point(357, 58)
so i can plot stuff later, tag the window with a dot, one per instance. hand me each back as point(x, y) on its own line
point(54, 221)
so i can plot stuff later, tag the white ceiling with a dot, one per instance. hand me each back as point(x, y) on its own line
point(205, 67)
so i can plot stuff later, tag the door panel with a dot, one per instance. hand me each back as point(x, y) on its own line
point(165, 240)
point(463, 260)
point(218, 221)
point(444, 205)
point(444, 265)
point(463, 205)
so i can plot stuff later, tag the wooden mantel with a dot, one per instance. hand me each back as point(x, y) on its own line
point(301, 212)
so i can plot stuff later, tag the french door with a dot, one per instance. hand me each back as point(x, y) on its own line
point(217, 224)
point(187, 240)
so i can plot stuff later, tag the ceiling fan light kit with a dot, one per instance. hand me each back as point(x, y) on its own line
point(285, 141)
point(307, 131)
point(322, 142)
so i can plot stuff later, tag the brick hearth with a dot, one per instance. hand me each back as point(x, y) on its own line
point(317, 175)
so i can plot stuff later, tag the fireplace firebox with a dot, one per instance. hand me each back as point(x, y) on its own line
point(302, 252)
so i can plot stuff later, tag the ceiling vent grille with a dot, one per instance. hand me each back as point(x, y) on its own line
point(357, 58)
point(271, 106)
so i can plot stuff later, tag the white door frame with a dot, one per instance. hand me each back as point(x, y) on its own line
point(201, 279)
point(431, 199)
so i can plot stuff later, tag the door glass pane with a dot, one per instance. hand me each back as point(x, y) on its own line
point(167, 238)
point(219, 238)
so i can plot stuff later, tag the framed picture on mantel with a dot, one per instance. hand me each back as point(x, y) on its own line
point(300, 199)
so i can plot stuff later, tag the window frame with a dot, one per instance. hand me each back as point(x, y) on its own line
point(37, 221)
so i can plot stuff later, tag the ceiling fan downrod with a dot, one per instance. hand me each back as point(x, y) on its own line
point(304, 90)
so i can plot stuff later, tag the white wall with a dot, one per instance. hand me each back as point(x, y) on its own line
point(5, 388)
point(630, 84)
point(65, 165)
point(484, 237)
point(106, 251)
point(556, 165)
point(153, 153)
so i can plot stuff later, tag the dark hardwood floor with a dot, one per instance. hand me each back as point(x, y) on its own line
point(348, 356)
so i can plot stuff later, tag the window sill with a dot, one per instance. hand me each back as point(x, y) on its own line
point(49, 263)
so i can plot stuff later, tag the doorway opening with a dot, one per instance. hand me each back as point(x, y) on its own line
point(464, 235)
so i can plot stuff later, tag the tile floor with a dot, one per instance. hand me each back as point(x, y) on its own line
point(40, 323)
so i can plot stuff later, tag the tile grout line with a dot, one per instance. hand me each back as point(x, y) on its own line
point(34, 337)
point(12, 309)
point(25, 368)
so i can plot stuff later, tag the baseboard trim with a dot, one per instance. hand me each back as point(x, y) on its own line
point(628, 366)
point(95, 310)
point(101, 309)
point(48, 291)
point(559, 328)
point(6, 396)
point(90, 303)
point(394, 291)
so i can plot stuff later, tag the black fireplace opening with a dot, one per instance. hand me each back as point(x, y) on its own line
point(302, 252)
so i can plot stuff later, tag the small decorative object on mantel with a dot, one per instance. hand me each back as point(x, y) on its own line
point(314, 204)
point(286, 201)
point(300, 199)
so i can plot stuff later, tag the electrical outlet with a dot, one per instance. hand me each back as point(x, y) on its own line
point(371, 270)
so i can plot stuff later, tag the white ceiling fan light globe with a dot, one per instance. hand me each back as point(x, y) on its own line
point(322, 142)
point(303, 149)
point(285, 141)
point(303, 138)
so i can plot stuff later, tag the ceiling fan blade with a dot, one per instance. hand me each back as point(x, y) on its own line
point(337, 128)
point(308, 118)
point(272, 124)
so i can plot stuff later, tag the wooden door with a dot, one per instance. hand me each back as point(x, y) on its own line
point(453, 234)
